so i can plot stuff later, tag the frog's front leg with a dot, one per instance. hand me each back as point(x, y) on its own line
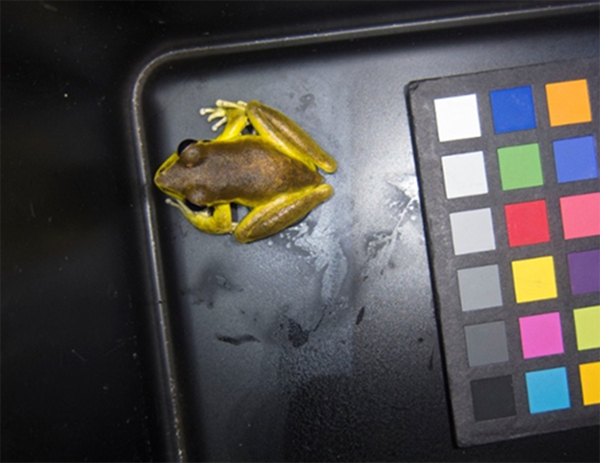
point(288, 136)
point(280, 213)
point(233, 115)
point(217, 223)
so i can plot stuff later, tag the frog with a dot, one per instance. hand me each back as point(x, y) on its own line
point(262, 160)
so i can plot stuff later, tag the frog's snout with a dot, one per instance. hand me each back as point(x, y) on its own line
point(167, 183)
point(161, 180)
point(166, 178)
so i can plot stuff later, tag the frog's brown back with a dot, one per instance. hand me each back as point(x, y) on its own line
point(248, 170)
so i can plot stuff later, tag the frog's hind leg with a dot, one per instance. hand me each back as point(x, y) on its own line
point(280, 213)
point(288, 136)
point(217, 223)
point(230, 114)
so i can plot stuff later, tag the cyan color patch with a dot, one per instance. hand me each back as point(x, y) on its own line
point(547, 390)
point(512, 109)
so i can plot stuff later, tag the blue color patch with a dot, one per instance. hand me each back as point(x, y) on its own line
point(575, 159)
point(512, 109)
point(547, 390)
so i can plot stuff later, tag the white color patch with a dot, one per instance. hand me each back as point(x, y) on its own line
point(464, 175)
point(457, 117)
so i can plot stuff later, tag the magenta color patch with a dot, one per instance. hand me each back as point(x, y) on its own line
point(541, 335)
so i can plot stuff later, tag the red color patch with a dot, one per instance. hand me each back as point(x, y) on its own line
point(527, 223)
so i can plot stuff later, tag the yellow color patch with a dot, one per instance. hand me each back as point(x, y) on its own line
point(534, 279)
point(568, 102)
point(590, 382)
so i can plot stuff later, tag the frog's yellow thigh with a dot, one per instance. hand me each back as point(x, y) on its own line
point(288, 136)
point(217, 223)
point(280, 213)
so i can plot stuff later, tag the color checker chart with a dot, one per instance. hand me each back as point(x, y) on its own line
point(507, 164)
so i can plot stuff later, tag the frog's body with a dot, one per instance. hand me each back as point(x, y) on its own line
point(273, 172)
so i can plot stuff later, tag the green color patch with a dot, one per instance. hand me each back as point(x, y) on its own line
point(520, 166)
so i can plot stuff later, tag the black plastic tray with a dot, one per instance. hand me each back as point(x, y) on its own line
point(272, 343)
point(320, 343)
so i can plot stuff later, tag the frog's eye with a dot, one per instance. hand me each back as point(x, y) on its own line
point(191, 154)
point(184, 144)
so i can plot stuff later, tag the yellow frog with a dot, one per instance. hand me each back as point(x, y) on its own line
point(272, 171)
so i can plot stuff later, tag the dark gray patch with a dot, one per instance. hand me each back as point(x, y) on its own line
point(306, 101)
point(296, 335)
point(430, 363)
point(236, 340)
point(224, 283)
point(361, 315)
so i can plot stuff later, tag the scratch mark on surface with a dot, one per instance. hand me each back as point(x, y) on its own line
point(78, 355)
point(120, 343)
point(381, 248)
point(49, 7)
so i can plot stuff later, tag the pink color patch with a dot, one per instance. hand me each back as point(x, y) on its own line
point(580, 215)
point(541, 335)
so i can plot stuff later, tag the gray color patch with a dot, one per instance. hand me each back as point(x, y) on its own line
point(479, 287)
point(472, 231)
point(486, 343)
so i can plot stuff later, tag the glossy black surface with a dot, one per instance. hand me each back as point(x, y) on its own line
point(87, 373)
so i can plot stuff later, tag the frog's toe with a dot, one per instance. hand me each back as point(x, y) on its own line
point(231, 105)
point(218, 124)
point(230, 113)
point(215, 113)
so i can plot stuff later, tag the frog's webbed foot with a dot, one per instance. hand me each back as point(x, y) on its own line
point(228, 112)
point(179, 204)
point(215, 221)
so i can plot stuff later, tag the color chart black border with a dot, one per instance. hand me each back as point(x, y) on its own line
point(444, 264)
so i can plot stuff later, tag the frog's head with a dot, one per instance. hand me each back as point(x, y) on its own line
point(173, 175)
